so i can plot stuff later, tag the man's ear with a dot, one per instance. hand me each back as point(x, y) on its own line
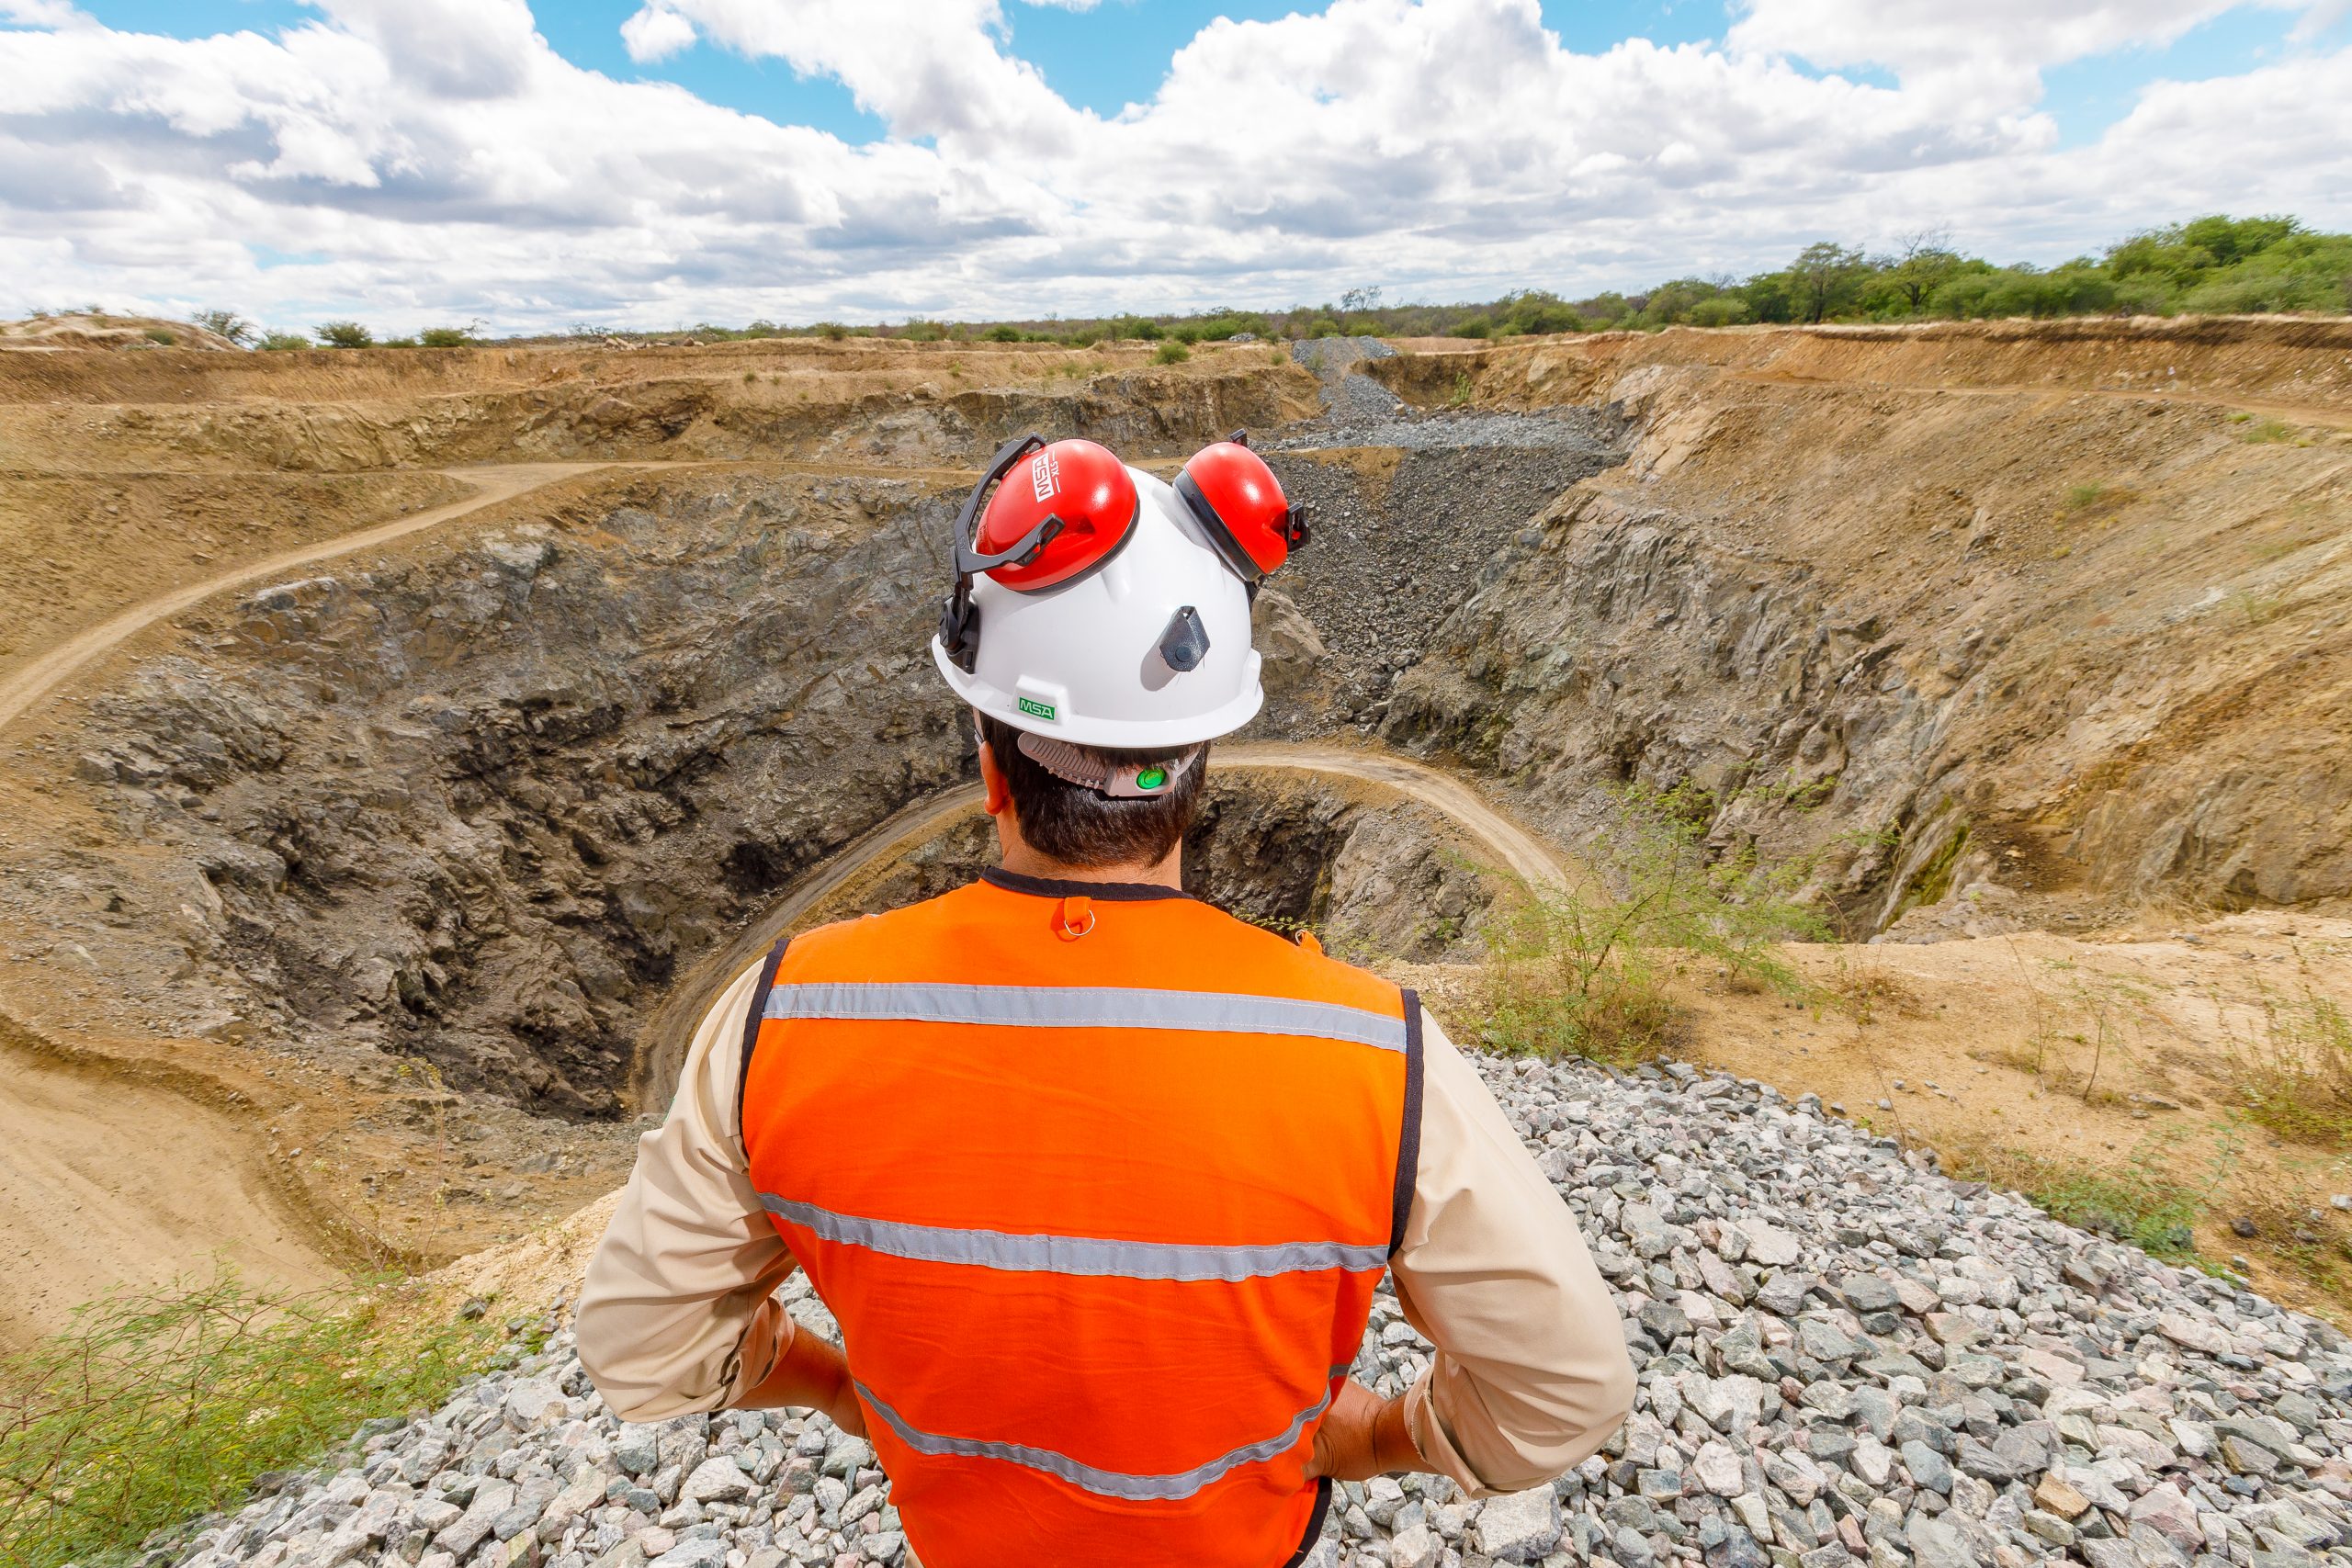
point(1000, 794)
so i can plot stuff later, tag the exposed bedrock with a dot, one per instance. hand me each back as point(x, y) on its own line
point(479, 802)
point(1910, 641)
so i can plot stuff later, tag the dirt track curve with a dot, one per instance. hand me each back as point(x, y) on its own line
point(499, 482)
point(662, 1047)
point(108, 1180)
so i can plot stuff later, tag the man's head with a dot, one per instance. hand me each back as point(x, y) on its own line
point(1085, 829)
point(1100, 628)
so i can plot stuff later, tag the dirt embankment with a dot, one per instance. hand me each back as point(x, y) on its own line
point(2300, 365)
point(338, 411)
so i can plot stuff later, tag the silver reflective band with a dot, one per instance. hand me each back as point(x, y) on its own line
point(1084, 1007)
point(1101, 1482)
point(1089, 1256)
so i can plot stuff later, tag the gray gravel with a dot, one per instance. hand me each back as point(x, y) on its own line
point(1843, 1356)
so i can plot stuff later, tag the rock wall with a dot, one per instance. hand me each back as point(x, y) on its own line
point(478, 802)
point(1957, 652)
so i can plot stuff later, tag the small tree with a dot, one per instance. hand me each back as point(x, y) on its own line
point(1921, 264)
point(1586, 971)
point(225, 325)
point(1827, 275)
point(344, 334)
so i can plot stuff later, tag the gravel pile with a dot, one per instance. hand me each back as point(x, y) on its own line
point(1844, 1357)
point(1391, 557)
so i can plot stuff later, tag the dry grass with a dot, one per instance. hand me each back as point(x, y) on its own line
point(154, 1408)
point(2294, 1066)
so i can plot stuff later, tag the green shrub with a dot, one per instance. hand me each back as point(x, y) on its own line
point(227, 324)
point(1003, 334)
point(1171, 353)
point(1722, 311)
point(1584, 972)
point(344, 334)
point(447, 337)
point(161, 335)
point(283, 341)
point(155, 1408)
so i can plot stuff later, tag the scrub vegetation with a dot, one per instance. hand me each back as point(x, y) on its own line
point(2211, 265)
point(1586, 972)
point(158, 1406)
point(2296, 1068)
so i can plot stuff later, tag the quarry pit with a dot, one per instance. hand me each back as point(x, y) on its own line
point(396, 748)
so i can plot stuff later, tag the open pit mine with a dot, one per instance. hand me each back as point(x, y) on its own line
point(398, 749)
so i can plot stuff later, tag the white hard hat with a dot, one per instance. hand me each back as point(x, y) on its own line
point(1133, 631)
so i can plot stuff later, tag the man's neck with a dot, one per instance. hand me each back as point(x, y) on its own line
point(1023, 861)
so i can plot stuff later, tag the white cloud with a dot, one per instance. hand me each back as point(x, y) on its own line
point(656, 32)
point(1990, 52)
point(431, 159)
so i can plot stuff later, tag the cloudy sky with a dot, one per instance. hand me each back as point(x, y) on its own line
point(649, 163)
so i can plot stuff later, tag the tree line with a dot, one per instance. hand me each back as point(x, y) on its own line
point(2215, 265)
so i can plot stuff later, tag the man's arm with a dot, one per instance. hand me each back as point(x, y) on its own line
point(1531, 1374)
point(676, 1314)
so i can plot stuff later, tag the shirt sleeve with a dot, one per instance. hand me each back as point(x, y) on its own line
point(677, 1313)
point(1531, 1374)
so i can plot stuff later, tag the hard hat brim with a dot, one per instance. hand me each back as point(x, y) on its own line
point(1085, 729)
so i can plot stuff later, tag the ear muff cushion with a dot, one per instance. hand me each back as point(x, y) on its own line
point(1219, 532)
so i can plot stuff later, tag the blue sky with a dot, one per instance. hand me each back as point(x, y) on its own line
point(529, 164)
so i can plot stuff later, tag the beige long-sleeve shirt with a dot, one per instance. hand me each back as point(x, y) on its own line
point(1530, 1375)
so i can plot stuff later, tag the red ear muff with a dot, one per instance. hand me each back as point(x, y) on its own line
point(1081, 486)
point(1237, 501)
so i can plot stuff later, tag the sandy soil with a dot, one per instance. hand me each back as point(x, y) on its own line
point(2119, 1064)
point(108, 1182)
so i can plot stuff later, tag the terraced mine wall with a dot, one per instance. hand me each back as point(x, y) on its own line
point(445, 822)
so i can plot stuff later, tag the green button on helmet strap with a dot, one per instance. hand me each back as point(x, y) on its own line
point(1151, 778)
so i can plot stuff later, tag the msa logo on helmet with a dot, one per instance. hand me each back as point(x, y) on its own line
point(1046, 474)
point(1036, 709)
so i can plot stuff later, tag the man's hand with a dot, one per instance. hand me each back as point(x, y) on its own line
point(1363, 1436)
point(811, 1374)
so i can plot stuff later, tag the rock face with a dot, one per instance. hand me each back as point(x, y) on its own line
point(1815, 1411)
point(478, 804)
point(1902, 636)
point(471, 807)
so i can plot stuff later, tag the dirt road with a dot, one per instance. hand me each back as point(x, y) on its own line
point(662, 1047)
point(106, 1180)
point(500, 483)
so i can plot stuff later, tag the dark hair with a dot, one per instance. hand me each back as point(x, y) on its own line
point(1072, 824)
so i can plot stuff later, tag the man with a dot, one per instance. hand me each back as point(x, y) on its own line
point(1097, 1179)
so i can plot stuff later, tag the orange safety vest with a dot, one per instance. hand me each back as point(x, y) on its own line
point(1098, 1180)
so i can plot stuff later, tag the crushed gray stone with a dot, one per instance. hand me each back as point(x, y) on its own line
point(1844, 1359)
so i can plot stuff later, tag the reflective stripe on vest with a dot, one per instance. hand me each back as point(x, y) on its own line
point(1100, 1219)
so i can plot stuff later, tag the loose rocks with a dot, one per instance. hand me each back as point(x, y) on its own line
point(1843, 1359)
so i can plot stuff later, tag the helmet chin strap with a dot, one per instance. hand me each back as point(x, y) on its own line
point(1120, 780)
